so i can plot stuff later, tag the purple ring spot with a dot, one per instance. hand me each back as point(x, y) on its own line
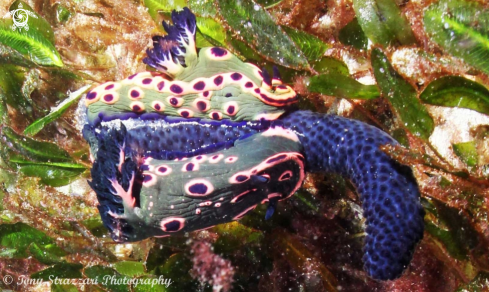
point(198, 188)
point(215, 156)
point(206, 93)
point(257, 90)
point(172, 226)
point(108, 97)
point(174, 101)
point(264, 96)
point(110, 86)
point(160, 85)
point(157, 107)
point(201, 105)
point(136, 108)
point(134, 93)
point(132, 76)
point(185, 114)
point(91, 95)
point(219, 52)
point(199, 85)
point(147, 178)
point(218, 80)
point(199, 157)
point(282, 87)
point(147, 80)
point(241, 178)
point(176, 89)
point(236, 76)
point(248, 84)
point(190, 167)
point(215, 116)
point(162, 169)
point(231, 109)
point(228, 95)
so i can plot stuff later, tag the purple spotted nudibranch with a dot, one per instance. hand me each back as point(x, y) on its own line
point(207, 138)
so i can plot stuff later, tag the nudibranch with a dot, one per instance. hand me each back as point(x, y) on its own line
point(207, 137)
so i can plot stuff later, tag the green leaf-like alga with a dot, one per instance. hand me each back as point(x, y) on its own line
point(462, 29)
point(383, 22)
point(312, 47)
point(55, 113)
point(251, 22)
point(33, 149)
point(353, 35)
point(467, 151)
point(402, 97)
point(30, 43)
point(342, 86)
point(157, 6)
point(455, 91)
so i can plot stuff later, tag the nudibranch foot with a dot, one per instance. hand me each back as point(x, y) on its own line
point(387, 189)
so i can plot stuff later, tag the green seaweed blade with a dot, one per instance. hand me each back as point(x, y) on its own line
point(402, 97)
point(30, 43)
point(342, 86)
point(455, 91)
point(258, 29)
point(383, 22)
point(462, 29)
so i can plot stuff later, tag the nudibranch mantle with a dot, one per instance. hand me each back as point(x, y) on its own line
point(208, 137)
point(212, 84)
point(190, 194)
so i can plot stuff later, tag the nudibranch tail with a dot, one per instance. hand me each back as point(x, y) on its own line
point(388, 190)
point(175, 51)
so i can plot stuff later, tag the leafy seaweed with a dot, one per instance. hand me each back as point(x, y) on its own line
point(35, 150)
point(353, 35)
point(11, 81)
point(211, 30)
point(45, 160)
point(259, 30)
point(383, 22)
point(35, 22)
point(467, 152)
point(461, 28)
point(453, 229)
point(30, 43)
point(402, 96)
point(312, 47)
point(61, 270)
point(342, 86)
point(22, 241)
point(157, 6)
point(456, 91)
point(55, 113)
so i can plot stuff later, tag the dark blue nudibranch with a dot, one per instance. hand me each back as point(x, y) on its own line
point(209, 138)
